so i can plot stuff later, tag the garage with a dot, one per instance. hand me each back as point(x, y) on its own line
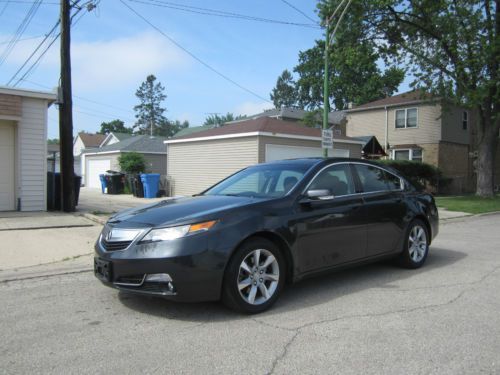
point(198, 160)
point(281, 152)
point(23, 149)
point(95, 168)
point(7, 166)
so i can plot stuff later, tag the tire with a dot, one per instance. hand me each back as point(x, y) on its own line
point(251, 287)
point(416, 245)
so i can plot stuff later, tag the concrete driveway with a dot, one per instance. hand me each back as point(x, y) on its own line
point(378, 319)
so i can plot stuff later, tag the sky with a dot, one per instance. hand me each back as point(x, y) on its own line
point(113, 50)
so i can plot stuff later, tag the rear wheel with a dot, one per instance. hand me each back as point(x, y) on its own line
point(416, 246)
point(254, 277)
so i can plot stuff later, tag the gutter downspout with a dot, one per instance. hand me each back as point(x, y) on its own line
point(386, 132)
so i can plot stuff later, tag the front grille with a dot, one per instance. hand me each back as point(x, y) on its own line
point(114, 245)
point(136, 279)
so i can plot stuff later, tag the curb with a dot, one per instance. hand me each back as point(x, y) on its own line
point(94, 218)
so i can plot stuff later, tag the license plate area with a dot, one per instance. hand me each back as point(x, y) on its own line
point(102, 269)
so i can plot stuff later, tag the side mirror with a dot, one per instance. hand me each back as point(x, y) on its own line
point(321, 194)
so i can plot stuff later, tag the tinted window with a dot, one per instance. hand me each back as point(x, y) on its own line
point(337, 179)
point(261, 181)
point(376, 179)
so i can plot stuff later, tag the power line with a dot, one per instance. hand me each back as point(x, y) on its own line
point(4, 7)
point(218, 13)
point(23, 39)
point(193, 55)
point(34, 52)
point(300, 11)
point(20, 30)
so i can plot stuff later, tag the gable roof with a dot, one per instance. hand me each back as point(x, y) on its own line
point(334, 118)
point(118, 136)
point(91, 140)
point(267, 126)
point(410, 97)
point(138, 143)
point(191, 130)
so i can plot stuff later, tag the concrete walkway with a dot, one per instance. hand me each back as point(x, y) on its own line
point(40, 220)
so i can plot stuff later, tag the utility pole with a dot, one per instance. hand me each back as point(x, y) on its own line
point(328, 37)
point(66, 114)
point(326, 97)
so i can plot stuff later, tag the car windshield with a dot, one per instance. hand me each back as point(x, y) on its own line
point(261, 181)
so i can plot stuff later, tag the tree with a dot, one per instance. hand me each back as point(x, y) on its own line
point(115, 126)
point(217, 120)
point(149, 112)
point(453, 50)
point(132, 162)
point(169, 128)
point(53, 141)
point(354, 73)
point(285, 92)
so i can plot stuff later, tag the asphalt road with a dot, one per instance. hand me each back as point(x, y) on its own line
point(377, 319)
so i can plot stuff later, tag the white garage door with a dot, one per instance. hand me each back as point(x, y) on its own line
point(7, 166)
point(280, 152)
point(95, 168)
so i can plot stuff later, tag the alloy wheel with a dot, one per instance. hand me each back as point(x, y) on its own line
point(417, 243)
point(258, 276)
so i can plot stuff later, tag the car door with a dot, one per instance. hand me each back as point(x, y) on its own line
point(383, 209)
point(330, 231)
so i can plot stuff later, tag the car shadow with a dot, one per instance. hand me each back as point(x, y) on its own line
point(304, 294)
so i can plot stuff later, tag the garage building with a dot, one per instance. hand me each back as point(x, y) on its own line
point(197, 161)
point(23, 149)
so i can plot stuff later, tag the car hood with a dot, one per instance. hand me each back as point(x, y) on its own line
point(178, 211)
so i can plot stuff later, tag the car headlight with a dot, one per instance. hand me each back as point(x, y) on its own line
point(173, 233)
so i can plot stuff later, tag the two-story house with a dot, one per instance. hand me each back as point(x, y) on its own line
point(413, 126)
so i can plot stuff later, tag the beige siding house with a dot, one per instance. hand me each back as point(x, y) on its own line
point(23, 149)
point(415, 127)
point(197, 161)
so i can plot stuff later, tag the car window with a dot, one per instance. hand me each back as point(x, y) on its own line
point(261, 181)
point(337, 179)
point(376, 179)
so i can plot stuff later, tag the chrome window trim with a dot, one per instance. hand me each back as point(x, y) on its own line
point(401, 181)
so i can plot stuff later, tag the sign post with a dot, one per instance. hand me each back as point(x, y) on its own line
point(327, 140)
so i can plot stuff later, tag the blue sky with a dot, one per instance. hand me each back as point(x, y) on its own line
point(113, 51)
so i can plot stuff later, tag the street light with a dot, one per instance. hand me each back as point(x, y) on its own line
point(326, 102)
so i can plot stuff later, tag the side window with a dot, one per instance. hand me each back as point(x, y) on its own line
point(393, 182)
point(336, 178)
point(373, 178)
point(287, 180)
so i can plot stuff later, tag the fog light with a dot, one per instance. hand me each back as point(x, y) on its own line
point(159, 278)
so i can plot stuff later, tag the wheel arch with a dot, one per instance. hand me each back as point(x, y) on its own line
point(279, 242)
point(427, 225)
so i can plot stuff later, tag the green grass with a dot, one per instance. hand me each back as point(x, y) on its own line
point(470, 204)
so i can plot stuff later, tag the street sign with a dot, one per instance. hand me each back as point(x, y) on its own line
point(327, 139)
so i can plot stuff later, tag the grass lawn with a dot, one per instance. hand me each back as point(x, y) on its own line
point(469, 203)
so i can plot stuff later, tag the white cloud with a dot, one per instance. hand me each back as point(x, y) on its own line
point(110, 64)
point(251, 108)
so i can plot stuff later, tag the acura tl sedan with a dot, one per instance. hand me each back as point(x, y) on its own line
point(267, 225)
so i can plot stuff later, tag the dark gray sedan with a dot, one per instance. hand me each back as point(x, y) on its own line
point(270, 224)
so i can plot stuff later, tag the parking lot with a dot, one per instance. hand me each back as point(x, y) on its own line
point(442, 319)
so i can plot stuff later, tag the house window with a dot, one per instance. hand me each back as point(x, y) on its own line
point(406, 118)
point(465, 120)
point(414, 154)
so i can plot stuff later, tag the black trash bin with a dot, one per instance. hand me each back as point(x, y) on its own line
point(131, 184)
point(54, 190)
point(139, 187)
point(115, 182)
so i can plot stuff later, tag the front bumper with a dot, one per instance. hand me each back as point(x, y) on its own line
point(195, 265)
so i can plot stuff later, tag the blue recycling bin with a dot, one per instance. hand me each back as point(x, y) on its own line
point(104, 183)
point(151, 182)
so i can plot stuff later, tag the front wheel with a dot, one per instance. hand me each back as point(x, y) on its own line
point(254, 277)
point(416, 245)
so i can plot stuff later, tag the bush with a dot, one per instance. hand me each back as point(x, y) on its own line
point(421, 175)
point(132, 163)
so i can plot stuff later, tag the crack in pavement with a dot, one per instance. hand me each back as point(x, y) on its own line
point(299, 329)
point(5, 281)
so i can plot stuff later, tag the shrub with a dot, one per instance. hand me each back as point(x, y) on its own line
point(421, 175)
point(132, 163)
